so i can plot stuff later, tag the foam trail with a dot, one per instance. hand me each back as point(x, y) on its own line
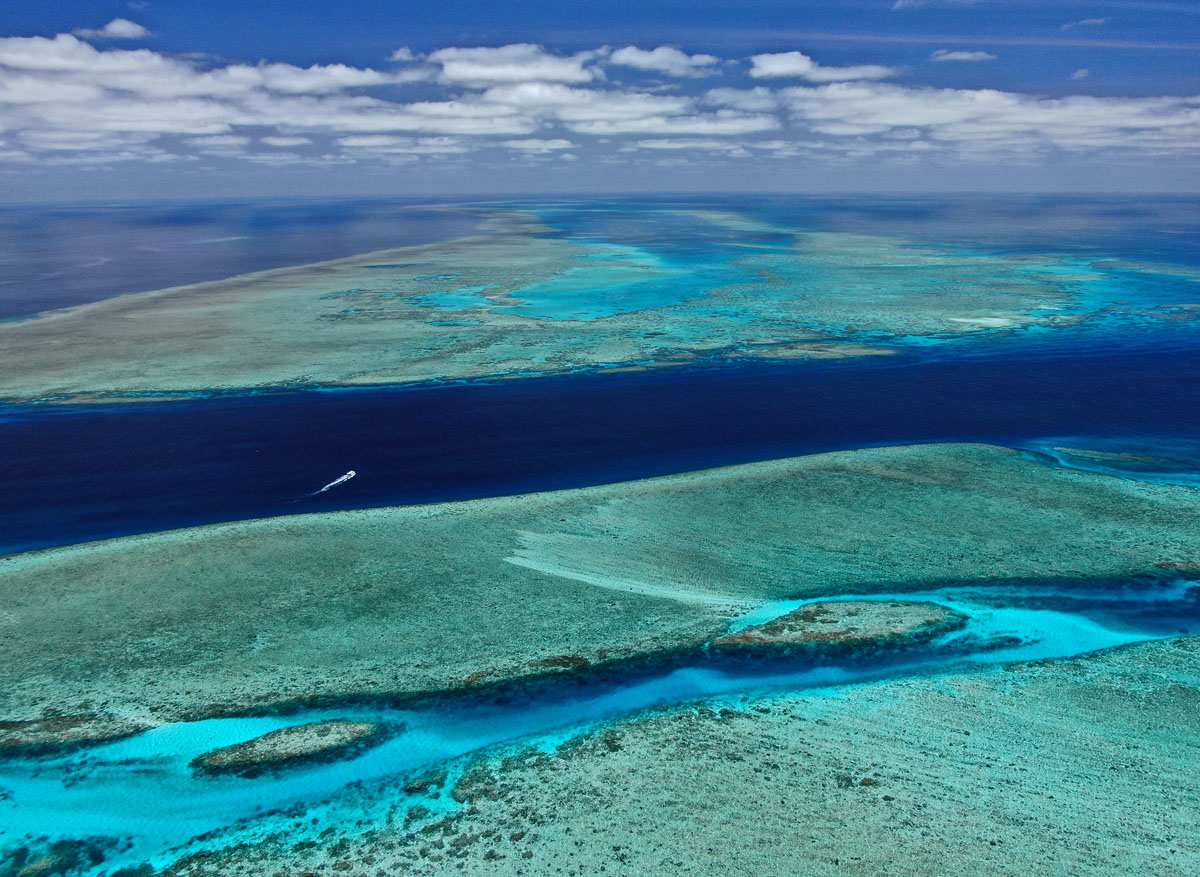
point(335, 482)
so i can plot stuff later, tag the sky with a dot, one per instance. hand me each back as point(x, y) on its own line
point(275, 98)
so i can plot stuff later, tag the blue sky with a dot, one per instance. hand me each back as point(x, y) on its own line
point(111, 100)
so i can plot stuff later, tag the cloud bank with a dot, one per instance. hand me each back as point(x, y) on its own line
point(64, 101)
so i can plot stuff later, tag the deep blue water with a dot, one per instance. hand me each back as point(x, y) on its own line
point(75, 473)
point(53, 257)
point(79, 473)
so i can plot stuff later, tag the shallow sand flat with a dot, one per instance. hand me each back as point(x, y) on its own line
point(153, 628)
point(514, 300)
point(1077, 767)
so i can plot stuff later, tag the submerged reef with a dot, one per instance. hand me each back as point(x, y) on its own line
point(290, 747)
point(517, 299)
point(52, 859)
point(106, 638)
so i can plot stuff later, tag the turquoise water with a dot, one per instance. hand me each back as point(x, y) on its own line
point(1169, 460)
point(142, 790)
point(862, 275)
point(623, 279)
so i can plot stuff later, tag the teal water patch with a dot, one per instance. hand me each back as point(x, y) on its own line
point(1129, 294)
point(1157, 459)
point(623, 279)
point(853, 286)
point(142, 790)
point(346, 293)
point(464, 299)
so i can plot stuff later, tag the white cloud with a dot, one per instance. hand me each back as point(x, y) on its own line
point(664, 59)
point(796, 65)
point(593, 111)
point(404, 53)
point(220, 140)
point(82, 140)
point(582, 104)
point(538, 146)
point(519, 62)
point(152, 75)
point(285, 141)
point(723, 122)
point(117, 29)
point(391, 145)
point(17, 88)
point(1081, 73)
point(1086, 22)
point(319, 79)
point(753, 100)
point(276, 158)
point(230, 145)
point(724, 148)
point(688, 143)
point(948, 55)
point(994, 121)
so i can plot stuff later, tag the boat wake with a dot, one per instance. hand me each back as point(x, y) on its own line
point(334, 483)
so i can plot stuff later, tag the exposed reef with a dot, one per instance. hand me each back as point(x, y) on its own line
point(55, 731)
point(213, 620)
point(290, 747)
point(859, 623)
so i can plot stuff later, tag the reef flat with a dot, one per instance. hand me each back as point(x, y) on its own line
point(518, 299)
point(207, 621)
point(1074, 767)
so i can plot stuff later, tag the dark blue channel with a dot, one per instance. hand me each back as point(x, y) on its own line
point(71, 474)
